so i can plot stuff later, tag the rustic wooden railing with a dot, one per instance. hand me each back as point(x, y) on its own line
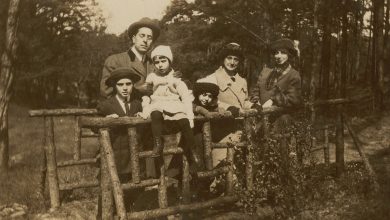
point(109, 181)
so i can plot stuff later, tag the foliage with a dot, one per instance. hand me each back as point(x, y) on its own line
point(280, 179)
point(62, 46)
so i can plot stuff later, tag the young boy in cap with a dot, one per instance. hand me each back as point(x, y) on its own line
point(121, 104)
point(170, 105)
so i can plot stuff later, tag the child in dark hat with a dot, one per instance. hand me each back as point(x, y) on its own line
point(206, 98)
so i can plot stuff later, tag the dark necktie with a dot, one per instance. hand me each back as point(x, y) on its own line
point(127, 107)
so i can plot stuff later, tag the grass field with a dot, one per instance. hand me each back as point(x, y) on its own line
point(21, 183)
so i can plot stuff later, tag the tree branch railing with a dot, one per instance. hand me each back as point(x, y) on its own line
point(83, 119)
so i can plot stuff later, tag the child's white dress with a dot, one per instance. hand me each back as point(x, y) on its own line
point(171, 96)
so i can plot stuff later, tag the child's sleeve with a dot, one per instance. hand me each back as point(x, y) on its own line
point(186, 97)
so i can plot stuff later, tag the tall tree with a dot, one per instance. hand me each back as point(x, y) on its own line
point(6, 78)
point(378, 61)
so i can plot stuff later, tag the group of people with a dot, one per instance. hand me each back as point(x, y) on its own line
point(137, 84)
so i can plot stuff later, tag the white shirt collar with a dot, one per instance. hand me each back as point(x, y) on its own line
point(137, 54)
point(121, 103)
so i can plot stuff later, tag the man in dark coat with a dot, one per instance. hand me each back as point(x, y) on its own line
point(142, 34)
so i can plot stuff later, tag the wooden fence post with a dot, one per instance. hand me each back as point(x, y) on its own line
point(206, 132)
point(110, 162)
point(107, 203)
point(326, 145)
point(52, 175)
point(249, 155)
point(134, 157)
point(77, 139)
point(185, 185)
point(339, 142)
point(230, 173)
point(162, 187)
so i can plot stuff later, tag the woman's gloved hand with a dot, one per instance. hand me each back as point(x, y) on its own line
point(234, 110)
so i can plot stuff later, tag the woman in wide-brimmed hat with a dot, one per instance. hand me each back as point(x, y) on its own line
point(281, 85)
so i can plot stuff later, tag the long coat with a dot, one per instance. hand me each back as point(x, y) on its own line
point(231, 92)
point(118, 135)
point(124, 59)
point(286, 92)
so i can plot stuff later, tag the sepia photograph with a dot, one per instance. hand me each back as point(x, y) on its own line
point(195, 109)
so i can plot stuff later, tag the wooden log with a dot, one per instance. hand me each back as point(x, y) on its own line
point(230, 173)
point(42, 181)
point(156, 213)
point(326, 146)
point(110, 161)
point(78, 185)
point(249, 155)
point(134, 157)
point(339, 142)
point(214, 172)
point(141, 184)
point(206, 133)
point(229, 145)
point(317, 148)
point(61, 112)
point(107, 202)
point(162, 187)
point(52, 174)
point(77, 139)
point(367, 164)
point(185, 183)
point(77, 162)
point(331, 102)
point(100, 122)
point(170, 151)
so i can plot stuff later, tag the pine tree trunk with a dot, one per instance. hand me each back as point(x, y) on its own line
point(378, 81)
point(6, 78)
point(326, 50)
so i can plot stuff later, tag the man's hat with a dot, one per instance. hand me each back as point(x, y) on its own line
point(284, 43)
point(144, 22)
point(122, 73)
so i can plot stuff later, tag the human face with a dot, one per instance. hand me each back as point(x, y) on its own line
point(162, 65)
point(143, 39)
point(124, 87)
point(281, 56)
point(231, 63)
point(205, 98)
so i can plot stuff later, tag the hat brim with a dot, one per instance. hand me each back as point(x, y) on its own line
point(202, 87)
point(137, 25)
point(284, 44)
point(117, 75)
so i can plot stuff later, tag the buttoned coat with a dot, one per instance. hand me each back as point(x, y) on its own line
point(285, 93)
point(126, 59)
point(231, 92)
point(118, 135)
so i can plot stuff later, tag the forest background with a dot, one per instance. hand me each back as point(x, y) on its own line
point(62, 45)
